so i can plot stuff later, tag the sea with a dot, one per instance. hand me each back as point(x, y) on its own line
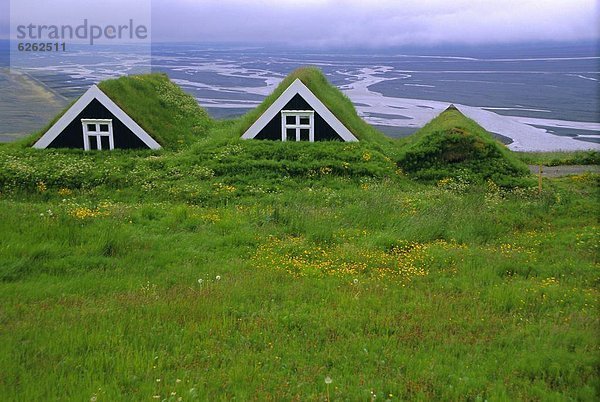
point(534, 97)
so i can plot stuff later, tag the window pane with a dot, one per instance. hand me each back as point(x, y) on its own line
point(291, 134)
point(105, 142)
point(290, 119)
point(93, 142)
point(304, 134)
point(91, 127)
point(305, 120)
point(104, 127)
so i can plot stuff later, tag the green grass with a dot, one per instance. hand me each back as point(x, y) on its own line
point(255, 269)
point(560, 158)
point(387, 286)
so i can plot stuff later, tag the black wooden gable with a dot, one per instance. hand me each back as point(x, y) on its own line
point(72, 135)
point(323, 131)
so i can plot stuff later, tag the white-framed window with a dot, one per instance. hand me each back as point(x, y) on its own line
point(97, 134)
point(298, 125)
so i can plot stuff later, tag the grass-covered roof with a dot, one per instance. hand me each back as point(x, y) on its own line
point(169, 115)
point(452, 145)
point(338, 103)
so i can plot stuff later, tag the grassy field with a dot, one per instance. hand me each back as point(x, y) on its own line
point(256, 270)
point(560, 158)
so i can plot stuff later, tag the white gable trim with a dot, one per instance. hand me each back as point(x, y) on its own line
point(94, 93)
point(298, 87)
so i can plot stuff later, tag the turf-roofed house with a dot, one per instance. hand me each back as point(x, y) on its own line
point(298, 115)
point(96, 122)
point(131, 112)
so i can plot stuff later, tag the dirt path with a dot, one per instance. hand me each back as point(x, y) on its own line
point(564, 170)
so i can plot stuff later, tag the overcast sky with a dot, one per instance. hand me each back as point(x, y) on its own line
point(375, 23)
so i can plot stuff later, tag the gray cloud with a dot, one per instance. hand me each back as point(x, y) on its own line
point(4, 18)
point(375, 23)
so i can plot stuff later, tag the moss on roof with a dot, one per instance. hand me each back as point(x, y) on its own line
point(452, 145)
point(338, 103)
point(169, 115)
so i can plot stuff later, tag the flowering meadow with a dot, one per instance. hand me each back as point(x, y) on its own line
point(263, 272)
